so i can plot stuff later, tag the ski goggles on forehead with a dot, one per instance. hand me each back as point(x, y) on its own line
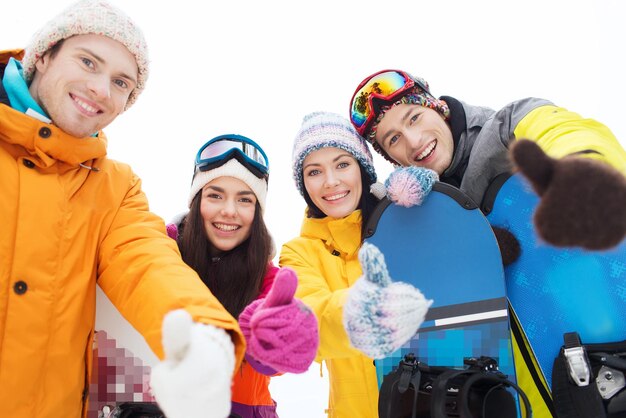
point(381, 87)
point(219, 150)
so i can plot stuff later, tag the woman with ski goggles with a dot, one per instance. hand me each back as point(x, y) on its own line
point(468, 147)
point(224, 238)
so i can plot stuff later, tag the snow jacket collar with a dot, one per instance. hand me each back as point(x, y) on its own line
point(337, 234)
point(44, 142)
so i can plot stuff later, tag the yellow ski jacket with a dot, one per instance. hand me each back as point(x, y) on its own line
point(325, 257)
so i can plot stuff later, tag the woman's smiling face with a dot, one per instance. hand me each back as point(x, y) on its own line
point(227, 207)
point(332, 178)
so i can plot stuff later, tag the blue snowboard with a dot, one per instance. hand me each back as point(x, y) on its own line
point(446, 248)
point(554, 290)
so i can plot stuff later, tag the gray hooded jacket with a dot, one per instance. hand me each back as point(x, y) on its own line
point(481, 141)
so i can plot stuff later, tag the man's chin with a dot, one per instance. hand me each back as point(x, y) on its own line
point(78, 131)
point(79, 126)
point(79, 134)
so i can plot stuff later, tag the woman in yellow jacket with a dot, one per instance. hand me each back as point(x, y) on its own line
point(333, 170)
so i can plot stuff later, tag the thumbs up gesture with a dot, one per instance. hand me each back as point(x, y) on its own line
point(281, 332)
point(582, 200)
point(379, 315)
point(194, 380)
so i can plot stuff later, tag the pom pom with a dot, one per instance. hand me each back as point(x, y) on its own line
point(409, 186)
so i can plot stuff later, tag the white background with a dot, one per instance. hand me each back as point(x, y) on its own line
point(257, 67)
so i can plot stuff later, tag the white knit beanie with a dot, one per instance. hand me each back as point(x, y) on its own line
point(232, 168)
point(91, 17)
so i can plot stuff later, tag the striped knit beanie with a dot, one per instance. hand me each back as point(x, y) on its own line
point(96, 17)
point(325, 129)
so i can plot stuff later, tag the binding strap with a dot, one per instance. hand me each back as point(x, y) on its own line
point(496, 402)
point(439, 397)
point(406, 376)
point(574, 396)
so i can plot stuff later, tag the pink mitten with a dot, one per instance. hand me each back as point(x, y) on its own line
point(281, 332)
point(172, 231)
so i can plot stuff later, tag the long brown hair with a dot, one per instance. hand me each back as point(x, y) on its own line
point(236, 277)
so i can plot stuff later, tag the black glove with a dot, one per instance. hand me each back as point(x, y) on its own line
point(510, 249)
point(583, 201)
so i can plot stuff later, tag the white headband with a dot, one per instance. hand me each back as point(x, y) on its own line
point(232, 168)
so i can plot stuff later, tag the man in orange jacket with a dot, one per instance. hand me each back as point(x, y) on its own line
point(73, 218)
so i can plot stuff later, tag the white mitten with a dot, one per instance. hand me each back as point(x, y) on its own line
point(194, 379)
point(380, 316)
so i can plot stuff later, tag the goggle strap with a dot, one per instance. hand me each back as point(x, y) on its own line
point(236, 154)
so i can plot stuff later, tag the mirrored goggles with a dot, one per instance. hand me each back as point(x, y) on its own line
point(219, 150)
point(381, 87)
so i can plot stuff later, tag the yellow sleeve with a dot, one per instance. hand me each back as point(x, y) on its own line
point(141, 271)
point(560, 133)
point(315, 292)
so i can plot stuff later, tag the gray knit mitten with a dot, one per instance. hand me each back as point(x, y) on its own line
point(380, 315)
